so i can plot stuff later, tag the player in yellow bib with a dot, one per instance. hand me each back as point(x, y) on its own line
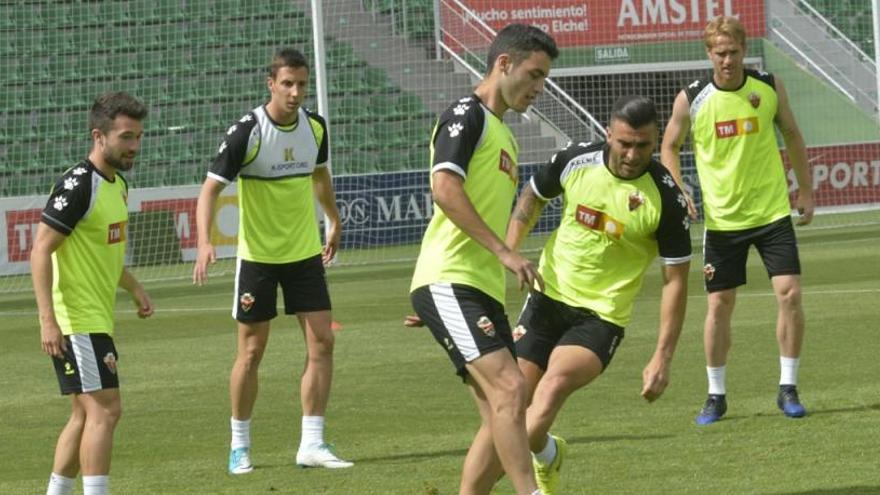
point(621, 210)
point(279, 152)
point(458, 284)
point(77, 263)
point(732, 117)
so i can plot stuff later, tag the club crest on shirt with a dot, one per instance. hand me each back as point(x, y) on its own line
point(507, 165)
point(755, 99)
point(709, 271)
point(519, 332)
point(246, 301)
point(110, 361)
point(486, 326)
point(635, 200)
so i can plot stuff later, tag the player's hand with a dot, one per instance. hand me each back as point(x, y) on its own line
point(692, 210)
point(51, 339)
point(205, 255)
point(525, 271)
point(413, 321)
point(805, 207)
point(332, 246)
point(655, 378)
point(143, 303)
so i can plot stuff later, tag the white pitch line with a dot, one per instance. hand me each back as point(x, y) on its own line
point(702, 295)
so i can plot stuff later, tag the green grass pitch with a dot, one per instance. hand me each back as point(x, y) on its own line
point(399, 412)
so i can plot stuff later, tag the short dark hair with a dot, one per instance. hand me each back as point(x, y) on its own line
point(637, 111)
point(287, 57)
point(520, 41)
point(109, 105)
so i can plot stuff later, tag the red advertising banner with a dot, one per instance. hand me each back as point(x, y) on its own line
point(843, 175)
point(612, 22)
point(21, 227)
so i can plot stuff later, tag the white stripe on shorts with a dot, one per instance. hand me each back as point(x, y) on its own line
point(86, 362)
point(235, 290)
point(453, 319)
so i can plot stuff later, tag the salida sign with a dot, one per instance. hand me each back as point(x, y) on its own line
point(580, 23)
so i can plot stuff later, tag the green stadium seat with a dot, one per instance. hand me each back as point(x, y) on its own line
point(204, 146)
point(419, 157)
point(207, 60)
point(232, 9)
point(157, 10)
point(120, 64)
point(391, 160)
point(388, 134)
point(18, 127)
point(152, 89)
point(207, 117)
point(175, 117)
point(86, 40)
point(25, 17)
point(228, 33)
point(175, 148)
point(57, 41)
point(172, 34)
point(35, 97)
point(376, 80)
point(9, 98)
point(353, 137)
point(72, 124)
point(176, 62)
point(21, 156)
point(145, 36)
point(291, 30)
point(48, 128)
point(346, 80)
point(382, 106)
point(199, 10)
point(341, 54)
point(9, 74)
point(201, 34)
point(82, 14)
point(352, 108)
point(409, 105)
point(57, 15)
point(110, 13)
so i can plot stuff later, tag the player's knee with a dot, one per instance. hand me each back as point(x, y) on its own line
point(789, 297)
point(321, 344)
point(721, 303)
point(106, 416)
point(250, 356)
point(512, 396)
point(553, 390)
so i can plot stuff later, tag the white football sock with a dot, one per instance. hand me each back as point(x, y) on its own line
point(788, 370)
point(716, 380)
point(312, 432)
point(60, 485)
point(548, 453)
point(241, 433)
point(96, 485)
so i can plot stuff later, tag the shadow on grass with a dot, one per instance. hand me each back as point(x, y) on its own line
point(462, 452)
point(838, 410)
point(844, 490)
point(810, 412)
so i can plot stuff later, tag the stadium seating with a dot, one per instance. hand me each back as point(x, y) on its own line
point(199, 66)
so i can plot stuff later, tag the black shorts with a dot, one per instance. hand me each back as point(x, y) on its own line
point(256, 288)
point(88, 365)
point(546, 323)
point(725, 253)
point(465, 321)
